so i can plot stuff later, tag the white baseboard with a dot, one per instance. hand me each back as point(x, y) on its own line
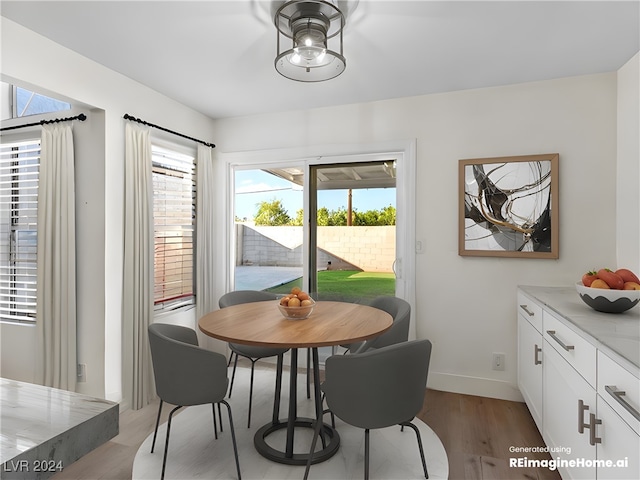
point(483, 387)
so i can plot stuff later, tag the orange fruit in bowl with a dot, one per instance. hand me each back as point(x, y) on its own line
point(599, 283)
point(296, 290)
point(294, 302)
point(303, 296)
point(284, 301)
point(306, 303)
point(631, 286)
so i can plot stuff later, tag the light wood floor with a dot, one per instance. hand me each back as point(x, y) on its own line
point(475, 431)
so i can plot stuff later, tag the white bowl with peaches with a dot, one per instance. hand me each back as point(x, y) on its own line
point(296, 305)
point(609, 291)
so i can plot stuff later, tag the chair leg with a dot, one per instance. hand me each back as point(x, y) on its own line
point(419, 437)
point(233, 437)
point(230, 358)
point(333, 417)
point(366, 454)
point(215, 422)
point(166, 444)
point(316, 434)
point(155, 433)
point(253, 363)
point(233, 375)
point(220, 418)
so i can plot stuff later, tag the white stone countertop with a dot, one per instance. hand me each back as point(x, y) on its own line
point(615, 333)
point(32, 414)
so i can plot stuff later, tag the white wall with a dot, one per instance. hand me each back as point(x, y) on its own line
point(628, 173)
point(466, 306)
point(33, 61)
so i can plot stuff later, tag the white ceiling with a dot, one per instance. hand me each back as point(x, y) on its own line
point(217, 56)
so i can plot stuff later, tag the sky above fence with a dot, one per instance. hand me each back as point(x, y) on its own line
point(255, 186)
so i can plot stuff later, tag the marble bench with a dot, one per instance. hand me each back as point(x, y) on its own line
point(43, 430)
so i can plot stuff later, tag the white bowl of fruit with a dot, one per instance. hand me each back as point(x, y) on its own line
point(296, 305)
point(610, 291)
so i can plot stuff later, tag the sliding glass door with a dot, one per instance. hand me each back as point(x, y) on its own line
point(268, 228)
point(342, 248)
point(352, 234)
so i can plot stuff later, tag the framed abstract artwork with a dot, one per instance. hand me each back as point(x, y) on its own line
point(509, 206)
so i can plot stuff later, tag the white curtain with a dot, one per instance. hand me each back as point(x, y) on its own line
point(137, 298)
point(206, 300)
point(56, 264)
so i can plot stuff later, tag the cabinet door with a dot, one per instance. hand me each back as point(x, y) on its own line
point(530, 368)
point(613, 379)
point(619, 445)
point(568, 402)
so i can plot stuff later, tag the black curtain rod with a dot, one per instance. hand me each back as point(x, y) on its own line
point(82, 117)
point(134, 119)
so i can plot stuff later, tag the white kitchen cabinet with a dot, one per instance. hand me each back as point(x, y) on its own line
point(618, 444)
point(618, 432)
point(619, 388)
point(568, 403)
point(530, 356)
point(588, 396)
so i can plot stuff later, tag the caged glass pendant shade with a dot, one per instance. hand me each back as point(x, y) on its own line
point(309, 25)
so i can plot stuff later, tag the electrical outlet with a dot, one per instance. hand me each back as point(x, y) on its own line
point(82, 372)
point(498, 361)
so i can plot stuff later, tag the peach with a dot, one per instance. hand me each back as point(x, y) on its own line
point(294, 302)
point(599, 283)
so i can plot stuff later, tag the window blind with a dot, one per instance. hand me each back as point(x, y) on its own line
point(173, 176)
point(19, 170)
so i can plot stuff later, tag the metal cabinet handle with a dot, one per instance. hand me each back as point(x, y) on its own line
point(593, 421)
point(552, 334)
point(536, 351)
point(529, 312)
point(617, 395)
point(581, 409)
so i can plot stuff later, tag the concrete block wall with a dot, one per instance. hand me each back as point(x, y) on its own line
point(371, 249)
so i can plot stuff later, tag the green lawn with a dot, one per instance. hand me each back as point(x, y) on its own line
point(347, 285)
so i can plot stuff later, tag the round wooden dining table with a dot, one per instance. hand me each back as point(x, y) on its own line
point(262, 324)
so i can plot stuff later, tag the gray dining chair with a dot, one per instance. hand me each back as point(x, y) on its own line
point(400, 310)
point(377, 389)
point(253, 353)
point(187, 375)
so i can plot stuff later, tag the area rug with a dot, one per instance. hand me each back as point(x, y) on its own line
point(195, 454)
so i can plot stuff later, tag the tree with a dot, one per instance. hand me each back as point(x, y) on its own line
point(386, 216)
point(337, 218)
point(323, 217)
point(299, 220)
point(271, 213)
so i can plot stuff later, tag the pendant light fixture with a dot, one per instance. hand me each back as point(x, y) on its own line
point(309, 25)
